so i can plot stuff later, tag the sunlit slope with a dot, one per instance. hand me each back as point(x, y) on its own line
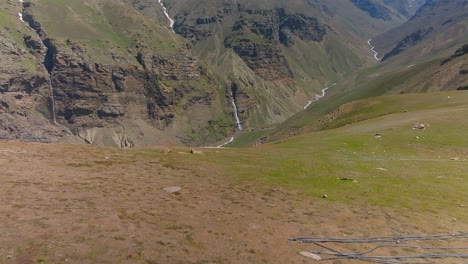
point(375, 156)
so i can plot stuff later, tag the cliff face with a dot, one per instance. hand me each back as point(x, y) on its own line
point(136, 97)
point(407, 42)
point(257, 37)
point(373, 9)
point(248, 44)
point(23, 88)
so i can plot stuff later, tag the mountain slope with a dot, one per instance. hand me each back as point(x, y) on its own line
point(436, 26)
point(118, 76)
point(278, 54)
point(427, 74)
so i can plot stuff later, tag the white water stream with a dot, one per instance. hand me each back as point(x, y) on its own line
point(317, 97)
point(230, 141)
point(238, 122)
point(373, 50)
point(236, 114)
point(51, 89)
point(171, 21)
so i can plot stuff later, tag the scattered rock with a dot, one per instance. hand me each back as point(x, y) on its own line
point(172, 189)
point(455, 158)
point(194, 151)
point(167, 151)
point(310, 255)
point(324, 196)
point(347, 179)
point(462, 205)
point(419, 126)
point(381, 169)
point(378, 135)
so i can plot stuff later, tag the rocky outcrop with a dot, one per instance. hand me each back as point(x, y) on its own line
point(265, 59)
point(458, 53)
point(126, 98)
point(258, 35)
point(91, 94)
point(409, 41)
point(245, 102)
point(176, 67)
point(301, 26)
point(374, 9)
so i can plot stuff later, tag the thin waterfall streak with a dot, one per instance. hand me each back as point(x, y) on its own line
point(236, 115)
point(53, 108)
point(171, 21)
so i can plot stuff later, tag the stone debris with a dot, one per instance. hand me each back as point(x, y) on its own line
point(325, 196)
point(378, 135)
point(310, 255)
point(455, 158)
point(420, 126)
point(194, 151)
point(167, 151)
point(172, 189)
point(381, 169)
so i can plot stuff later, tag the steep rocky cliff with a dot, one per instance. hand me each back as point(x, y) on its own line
point(124, 98)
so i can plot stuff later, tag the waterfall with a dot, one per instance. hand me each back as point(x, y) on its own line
point(51, 89)
point(171, 21)
point(236, 115)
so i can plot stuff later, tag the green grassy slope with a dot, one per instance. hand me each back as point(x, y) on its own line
point(105, 27)
point(425, 74)
point(407, 169)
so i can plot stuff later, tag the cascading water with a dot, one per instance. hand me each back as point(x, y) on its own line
point(171, 21)
point(51, 89)
point(236, 115)
point(373, 50)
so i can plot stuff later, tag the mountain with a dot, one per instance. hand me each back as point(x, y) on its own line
point(432, 63)
point(108, 73)
point(336, 143)
point(114, 73)
point(436, 26)
point(279, 54)
point(383, 10)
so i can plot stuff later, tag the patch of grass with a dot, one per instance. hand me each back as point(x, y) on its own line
point(405, 169)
